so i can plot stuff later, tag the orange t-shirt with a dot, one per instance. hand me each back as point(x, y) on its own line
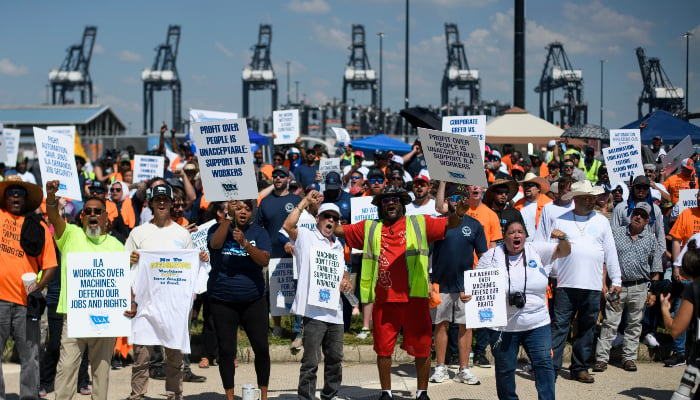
point(489, 220)
point(674, 183)
point(16, 262)
point(507, 161)
point(687, 224)
point(127, 212)
point(182, 221)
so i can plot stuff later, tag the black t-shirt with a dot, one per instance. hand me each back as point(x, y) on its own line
point(272, 212)
point(506, 215)
point(415, 165)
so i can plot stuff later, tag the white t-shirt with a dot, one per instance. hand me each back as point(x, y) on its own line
point(307, 240)
point(529, 213)
point(426, 209)
point(550, 213)
point(537, 267)
point(307, 221)
point(592, 244)
point(679, 261)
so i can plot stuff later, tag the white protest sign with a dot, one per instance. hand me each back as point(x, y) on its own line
point(3, 145)
point(147, 167)
point(327, 268)
point(11, 139)
point(623, 161)
point(285, 124)
point(199, 238)
point(281, 280)
point(225, 160)
point(208, 116)
point(57, 162)
point(675, 156)
point(687, 198)
point(487, 308)
point(453, 157)
point(470, 125)
point(623, 136)
point(326, 165)
point(341, 135)
point(98, 289)
point(68, 130)
point(361, 208)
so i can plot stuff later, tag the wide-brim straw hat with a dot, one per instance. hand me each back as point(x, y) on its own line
point(34, 193)
point(583, 188)
point(512, 189)
point(541, 182)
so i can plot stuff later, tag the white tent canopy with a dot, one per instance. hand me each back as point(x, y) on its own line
point(518, 126)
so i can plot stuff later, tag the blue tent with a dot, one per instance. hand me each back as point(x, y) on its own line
point(664, 124)
point(255, 137)
point(381, 142)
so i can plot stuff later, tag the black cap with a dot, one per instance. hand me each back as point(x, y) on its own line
point(381, 155)
point(641, 180)
point(281, 168)
point(391, 191)
point(332, 181)
point(375, 172)
point(456, 189)
point(162, 190)
point(98, 186)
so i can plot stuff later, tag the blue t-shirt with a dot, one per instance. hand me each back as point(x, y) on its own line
point(272, 212)
point(305, 174)
point(234, 277)
point(455, 254)
point(343, 203)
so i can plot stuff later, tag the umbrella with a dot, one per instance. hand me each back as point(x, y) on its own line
point(587, 131)
point(421, 117)
point(664, 124)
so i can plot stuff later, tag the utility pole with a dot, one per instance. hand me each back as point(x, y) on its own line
point(288, 93)
point(297, 90)
point(687, 36)
point(406, 69)
point(381, 80)
point(601, 92)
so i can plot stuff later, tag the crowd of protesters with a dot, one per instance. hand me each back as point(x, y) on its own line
point(576, 249)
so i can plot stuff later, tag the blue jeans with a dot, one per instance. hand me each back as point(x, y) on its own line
point(25, 332)
point(482, 340)
point(327, 339)
point(538, 346)
point(570, 301)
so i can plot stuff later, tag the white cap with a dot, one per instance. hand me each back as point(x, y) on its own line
point(552, 143)
point(397, 159)
point(329, 207)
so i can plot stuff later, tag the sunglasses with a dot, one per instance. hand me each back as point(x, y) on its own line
point(456, 197)
point(279, 175)
point(115, 189)
point(641, 187)
point(641, 214)
point(651, 171)
point(354, 178)
point(277, 159)
point(568, 167)
point(179, 205)
point(420, 183)
point(332, 217)
point(376, 180)
point(92, 211)
point(617, 191)
point(397, 178)
point(529, 185)
point(16, 191)
point(388, 200)
point(501, 191)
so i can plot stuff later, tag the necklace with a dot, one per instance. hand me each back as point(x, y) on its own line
point(582, 230)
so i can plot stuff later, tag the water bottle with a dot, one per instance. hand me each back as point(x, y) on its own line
point(352, 299)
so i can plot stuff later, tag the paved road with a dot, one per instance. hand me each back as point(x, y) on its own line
point(360, 381)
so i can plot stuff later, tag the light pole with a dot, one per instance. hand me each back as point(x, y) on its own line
point(288, 93)
point(601, 92)
point(406, 70)
point(687, 36)
point(381, 79)
point(297, 90)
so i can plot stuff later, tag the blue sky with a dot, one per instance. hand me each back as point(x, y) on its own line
point(314, 36)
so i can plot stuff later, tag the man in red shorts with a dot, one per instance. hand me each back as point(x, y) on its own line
point(395, 278)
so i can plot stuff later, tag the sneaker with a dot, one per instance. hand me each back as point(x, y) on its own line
point(676, 360)
point(85, 391)
point(617, 342)
point(43, 393)
point(296, 345)
point(423, 396)
point(363, 334)
point(650, 340)
point(385, 396)
point(465, 376)
point(117, 363)
point(482, 361)
point(277, 331)
point(157, 373)
point(439, 374)
point(189, 376)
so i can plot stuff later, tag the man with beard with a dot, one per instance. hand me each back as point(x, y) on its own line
point(395, 248)
point(530, 206)
point(334, 194)
point(91, 238)
point(493, 165)
point(323, 327)
point(622, 214)
point(498, 197)
point(423, 203)
point(307, 173)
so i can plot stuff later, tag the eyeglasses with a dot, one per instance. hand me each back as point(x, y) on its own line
point(16, 191)
point(376, 180)
point(115, 189)
point(388, 200)
point(456, 197)
point(332, 217)
point(279, 175)
point(93, 211)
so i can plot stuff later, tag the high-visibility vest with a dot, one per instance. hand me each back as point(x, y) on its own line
point(416, 258)
point(592, 174)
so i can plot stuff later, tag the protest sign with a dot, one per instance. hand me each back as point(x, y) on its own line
point(623, 161)
point(623, 136)
point(11, 141)
point(98, 291)
point(68, 130)
point(57, 162)
point(3, 145)
point(225, 160)
point(281, 280)
point(341, 135)
point(164, 286)
point(147, 167)
point(208, 116)
point(326, 165)
point(327, 268)
point(470, 125)
point(687, 198)
point(361, 208)
point(199, 239)
point(453, 157)
point(285, 124)
point(672, 160)
point(487, 308)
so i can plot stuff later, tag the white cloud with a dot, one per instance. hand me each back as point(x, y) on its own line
point(7, 67)
point(98, 49)
point(332, 38)
point(224, 49)
point(309, 7)
point(129, 56)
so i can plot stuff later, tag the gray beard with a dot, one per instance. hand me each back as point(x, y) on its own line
point(94, 233)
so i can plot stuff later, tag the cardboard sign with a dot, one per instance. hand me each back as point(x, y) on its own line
point(98, 289)
point(147, 167)
point(453, 157)
point(327, 268)
point(672, 160)
point(68, 130)
point(623, 161)
point(225, 160)
point(341, 135)
point(327, 165)
point(624, 136)
point(281, 279)
point(11, 142)
point(487, 308)
point(687, 198)
point(285, 124)
point(470, 125)
point(57, 162)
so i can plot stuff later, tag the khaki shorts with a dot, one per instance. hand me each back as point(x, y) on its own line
point(450, 309)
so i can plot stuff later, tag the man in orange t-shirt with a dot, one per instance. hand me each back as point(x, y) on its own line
point(685, 179)
point(687, 224)
point(480, 212)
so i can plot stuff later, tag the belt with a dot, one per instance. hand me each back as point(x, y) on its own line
point(634, 283)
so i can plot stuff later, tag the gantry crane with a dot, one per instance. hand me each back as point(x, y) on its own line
point(259, 75)
point(163, 76)
point(658, 91)
point(359, 75)
point(74, 73)
point(559, 73)
point(457, 72)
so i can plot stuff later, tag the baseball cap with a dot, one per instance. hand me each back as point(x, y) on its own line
point(397, 159)
point(375, 172)
point(312, 186)
point(456, 189)
point(658, 138)
point(333, 181)
point(422, 178)
point(326, 207)
point(359, 153)
point(551, 143)
point(281, 168)
point(381, 155)
point(124, 156)
point(98, 186)
point(641, 180)
point(687, 163)
point(643, 206)
point(518, 167)
point(162, 190)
